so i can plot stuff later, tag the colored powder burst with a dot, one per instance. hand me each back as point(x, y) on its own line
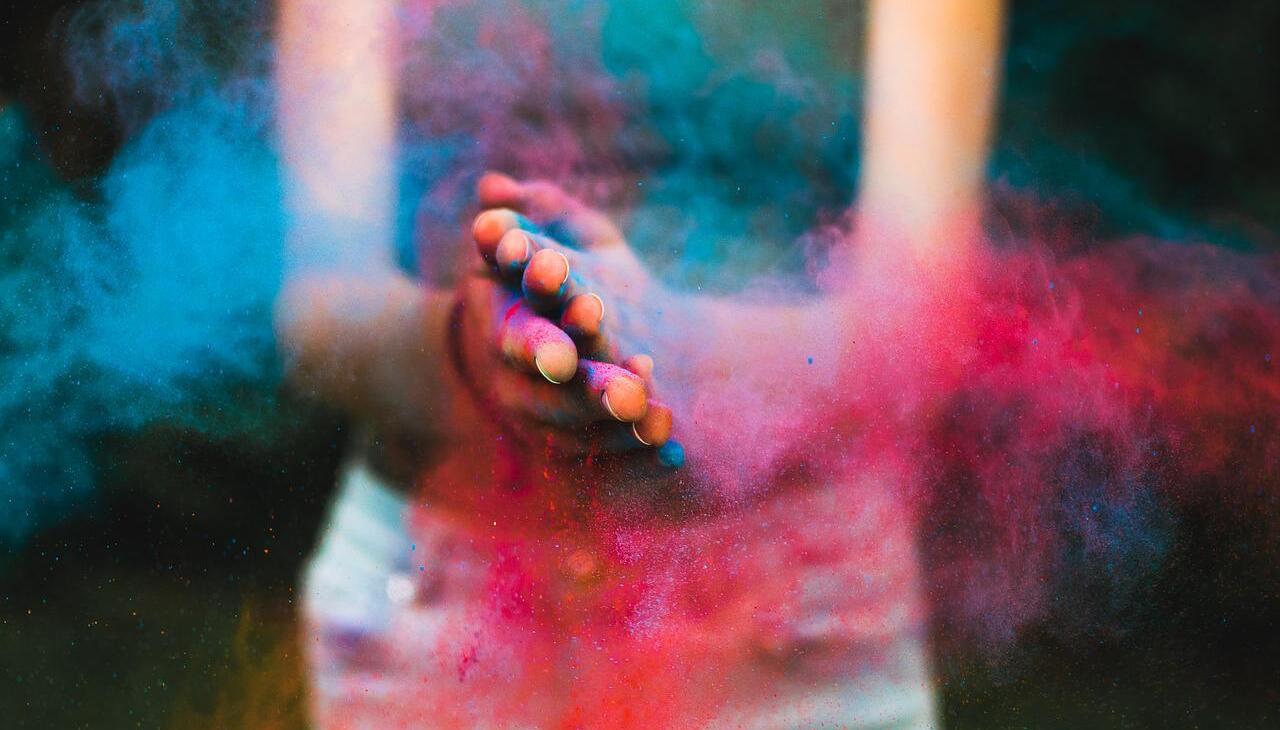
point(148, 298)
point(1039, 428)
point(1044, 430)
point(1111, 382)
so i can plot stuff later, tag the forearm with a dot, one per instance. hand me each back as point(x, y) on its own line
point(932, 76)
point(374, 346)
point(337, 130)
point(355, 332)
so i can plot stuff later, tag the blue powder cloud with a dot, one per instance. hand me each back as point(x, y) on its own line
point(151, 302)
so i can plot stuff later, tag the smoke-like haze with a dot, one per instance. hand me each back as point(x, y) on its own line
point(146, 297)
point(1108, 380)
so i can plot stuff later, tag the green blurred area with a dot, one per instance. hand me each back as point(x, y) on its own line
point(171, 603)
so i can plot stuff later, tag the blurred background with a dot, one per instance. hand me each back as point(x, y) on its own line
point(164, 596)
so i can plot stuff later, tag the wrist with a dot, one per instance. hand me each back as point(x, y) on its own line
point(395, 457)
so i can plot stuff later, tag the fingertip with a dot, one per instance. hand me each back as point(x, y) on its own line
point(584, 315)
point(641, 365)
point(654, 429)
point(513, 252)
point(625, 399)
point(546, 274)
point(556, 360)
point(490, 227)
point(496, 188)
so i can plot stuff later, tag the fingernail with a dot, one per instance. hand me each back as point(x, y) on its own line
point(538, 364)
point(604, 398)
point(639, 438)
point(505, 252)
point(524, 257)
point(564, 281)
point(596, 297)
point(492, 224)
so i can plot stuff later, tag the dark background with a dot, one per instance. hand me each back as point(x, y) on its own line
point(170, 602)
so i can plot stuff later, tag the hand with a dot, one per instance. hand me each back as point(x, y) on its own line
point(733, 370)
point(545, 313)
point(376, 346)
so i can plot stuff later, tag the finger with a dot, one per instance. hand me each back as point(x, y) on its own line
point(517, 250)
point(654, 428)
point(550, 291)
point(540, 404)
point(496, 190)
point(513, 253)
point(490, 226)
point(586, 402)
point(583, 317)
point(583, 320)
point(537, 410)
point(618, 393)
point(620, 437)
point(549, 281)
point(641, 365)
point(546, 275)
point(536, 345)
point(564, 216)
point(601, 347)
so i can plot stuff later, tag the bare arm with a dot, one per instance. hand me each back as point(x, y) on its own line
point(355, 331)
point(932, 75)
point(337, 119)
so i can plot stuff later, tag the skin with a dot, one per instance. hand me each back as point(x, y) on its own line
point(929, 114)
point(932, 72)
point(549, 288)
point(701, 335)
point(544, 323)
point(357, 333)
point(352, 328)
point(728, 356)
point(359, 343)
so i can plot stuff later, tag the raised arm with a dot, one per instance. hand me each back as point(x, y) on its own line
point(932, 77)
point(337, 119)
point(354, 330)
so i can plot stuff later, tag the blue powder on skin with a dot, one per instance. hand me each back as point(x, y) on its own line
point(671, 455)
